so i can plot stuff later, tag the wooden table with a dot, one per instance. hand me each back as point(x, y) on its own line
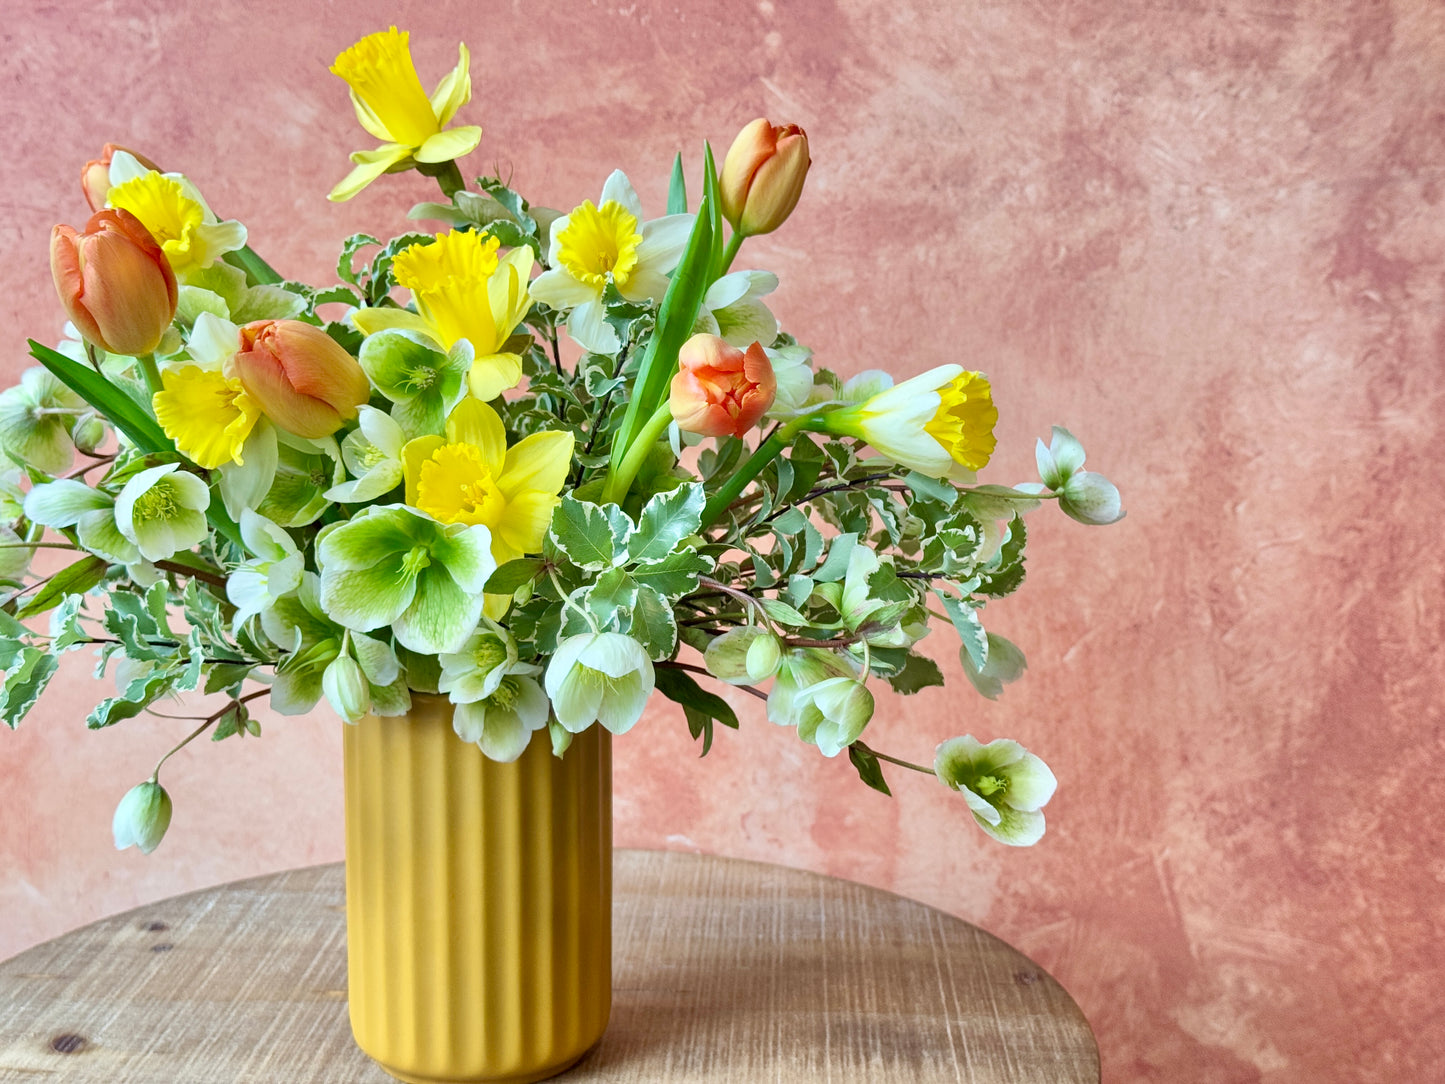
point(722, 971)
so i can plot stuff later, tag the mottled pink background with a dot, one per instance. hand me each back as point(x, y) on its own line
point(1207, 237)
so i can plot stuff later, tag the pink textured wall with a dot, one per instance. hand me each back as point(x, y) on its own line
point(1208, 237)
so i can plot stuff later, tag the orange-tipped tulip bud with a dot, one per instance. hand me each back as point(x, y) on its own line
point(300, 377)
point(720, 391)
point(115, 282)
point(95, 174)
point(762, 176)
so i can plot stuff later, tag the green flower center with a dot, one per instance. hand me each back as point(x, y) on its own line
point(416, 559)
point(158, 502)
point(989, 785)
point(490, 654)
point(506, 695)
point(419, 378)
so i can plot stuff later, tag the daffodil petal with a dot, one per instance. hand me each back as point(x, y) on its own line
point(451, 144)
point(588, 326)
point(370, 320)
point(492, 374)
point(369, 166)
point(413, 455)
point(473, 422)
point(663, 241)
point(560, 290)
point(455, 89)
point(525, 525)
point(368, 119)
point(618, 189)
point(539, 462)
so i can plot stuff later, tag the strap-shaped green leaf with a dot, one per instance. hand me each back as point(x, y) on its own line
point(677, 189)
point(144, 431)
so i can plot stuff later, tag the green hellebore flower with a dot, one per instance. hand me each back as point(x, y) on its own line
point(1005, 785)
point(601, 676)
point(37, 439)
point(163, 510)
point(66, 502)
point(142, 817)
point(391, 566)
point(1091, 499)
point(503, 722)
point(799, 671)
point(275, 569)
point(1060, 459)
point(424, 382)
point(1003, 665)
point(833, 713)
point(346, 688)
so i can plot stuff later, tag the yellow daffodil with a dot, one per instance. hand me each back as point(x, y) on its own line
point(208, 414)
point(470, 476)
point(939, 423)
point(391, 105)
point(602, 239)
point(462, 291)
point(190, 237)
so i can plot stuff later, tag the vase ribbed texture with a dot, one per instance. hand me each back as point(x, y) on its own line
point(478, 900)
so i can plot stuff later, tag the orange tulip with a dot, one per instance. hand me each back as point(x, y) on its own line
point(720, 391)
point(115, 282)
point(95, 174)
point(762, 176)
point(302, 378)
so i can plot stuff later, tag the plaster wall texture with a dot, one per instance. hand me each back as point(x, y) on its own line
point(1207, 237)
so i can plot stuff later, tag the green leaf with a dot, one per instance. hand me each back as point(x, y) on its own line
point(674, 326)
point(583, 534)
point(666, 520)
point(919, 672)
point(24, 682)
point(711, 209)
point(227, 676)
point(869, 770)
point(701, 707)
point(516, 206)
point(970, 628)
point(840, 552)
point(76, 579)
point(609, 599)
point(234, 721)
point(677, 189)
point(139, 695)
point(675, 575)
point(781, 612)
point(653, 624)
point(144, 431)
point(514, 574)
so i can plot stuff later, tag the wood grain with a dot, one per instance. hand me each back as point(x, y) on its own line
point(723, 971)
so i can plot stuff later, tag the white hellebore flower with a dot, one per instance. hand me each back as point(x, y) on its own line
point(162, 510)
point(833, 713)
point(499, 705)
point(601, 676)
point(610, 238)
point(66, 502)
point(797, 393)
point(142, 817)
point(372, 453)
point(1005, 785)
point(274, 571)
point(732, 309)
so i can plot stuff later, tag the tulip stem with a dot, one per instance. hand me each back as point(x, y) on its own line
point(730, 253)
point(620, 481)
point(147, 363)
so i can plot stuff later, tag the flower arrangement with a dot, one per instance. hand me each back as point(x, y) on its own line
point(393, 485)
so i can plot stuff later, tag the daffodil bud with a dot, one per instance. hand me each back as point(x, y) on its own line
point(744, 656)
point(115, 282)
point(88, 432)
point(346, 688)
point(142, 817)
point(762, 176)
point(302, 378)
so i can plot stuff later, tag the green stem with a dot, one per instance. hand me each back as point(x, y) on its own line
point(448, 176)
point(730, 254)
point(258, 271)
point(206, 724)
point(620, 480)
point(901, 763)
point(152, 374)
point(767, 451)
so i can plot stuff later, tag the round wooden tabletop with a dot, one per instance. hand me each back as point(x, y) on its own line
point(722, 971)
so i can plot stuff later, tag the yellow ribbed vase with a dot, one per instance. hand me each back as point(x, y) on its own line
point(478, 900)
